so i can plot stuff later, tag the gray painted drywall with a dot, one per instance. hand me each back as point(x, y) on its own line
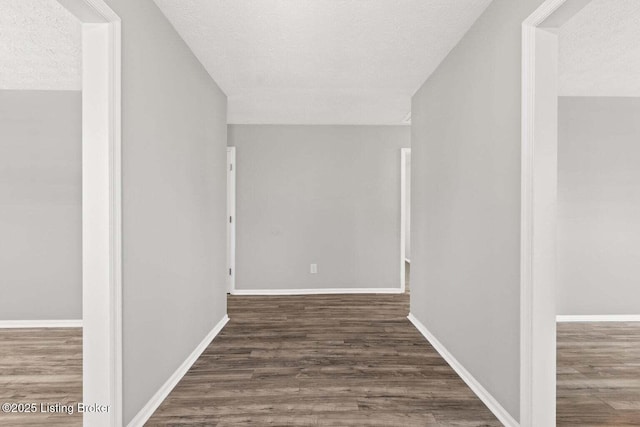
point(465, 152)
point(598, 206)
point(407, 219)
point(328, 195)
point(174, 201)
point(40, 205)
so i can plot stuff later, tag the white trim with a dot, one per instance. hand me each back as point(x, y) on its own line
point(563, 13)
point(147, 411)
point(538, 188)
point(403, 215)
point(598, 318)
point(101, 208)
point(115, 102)
point(494, 406)
point(407, 260)
point(526, 228)
point(56, 323)
point(231, 224)
point(85, 11)
point(319, 291)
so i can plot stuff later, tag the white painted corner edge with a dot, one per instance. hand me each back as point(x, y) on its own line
point(503, 416)
point(147, 411)
point(65, 323)
point(266, 292)
point(599, 318)
point(407, 260)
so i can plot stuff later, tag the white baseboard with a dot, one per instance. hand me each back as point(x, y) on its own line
point(493, 405)
point(316, 291)
point(65, 323)
point(599, 318)
point(147, 411)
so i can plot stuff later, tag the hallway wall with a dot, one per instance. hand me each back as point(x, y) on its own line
point(465, 261)
point(174, 201)
point(40, 205)
point(328, 195)
point(598, 206)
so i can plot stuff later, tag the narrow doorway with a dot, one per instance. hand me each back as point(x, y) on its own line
point(231, 219)
point(405, 218)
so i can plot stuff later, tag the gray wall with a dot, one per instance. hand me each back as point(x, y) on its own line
point(174, 200)
point(40, 205)
point(599, 206)
point(328, 195)
point(465, 261)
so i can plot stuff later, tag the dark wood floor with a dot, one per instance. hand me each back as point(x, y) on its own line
point(341, 360)
point(40, 366)
point(598, 374)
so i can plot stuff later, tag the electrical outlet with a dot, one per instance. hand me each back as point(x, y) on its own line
point(313, 269)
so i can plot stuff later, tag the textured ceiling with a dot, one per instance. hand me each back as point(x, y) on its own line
point(600, 50)
point(321, 61)
point(40, 46)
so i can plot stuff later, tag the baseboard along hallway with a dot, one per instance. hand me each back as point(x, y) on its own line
point(321, 359)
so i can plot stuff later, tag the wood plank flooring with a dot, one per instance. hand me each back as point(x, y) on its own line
point(41, 366)
point(330, 360)
point(598, 374)
point(333, 360)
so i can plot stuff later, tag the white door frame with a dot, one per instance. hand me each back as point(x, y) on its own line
point(539, 171)
point(404, 152)
point(101, 210)
point(231, 219)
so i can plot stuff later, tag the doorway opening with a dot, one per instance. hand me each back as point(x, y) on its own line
point(572, 209)
point(80, 200)
point(231, 219)
point(405, 218)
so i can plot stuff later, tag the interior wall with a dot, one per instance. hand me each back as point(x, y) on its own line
point(328, 195)
point(598, 206)
point(40, 205)
point(465, 261)
point(174, 201)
